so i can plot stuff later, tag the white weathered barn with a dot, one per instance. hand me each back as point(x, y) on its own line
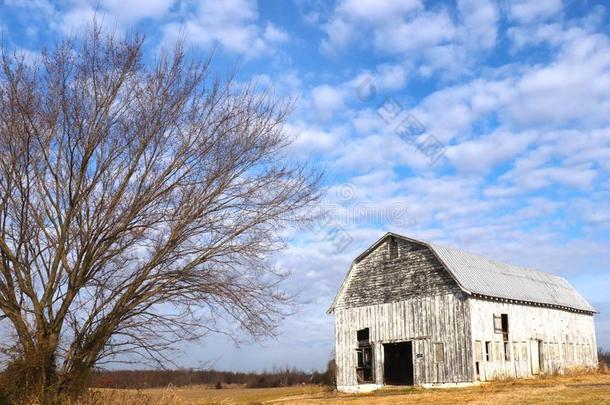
point(414, 313)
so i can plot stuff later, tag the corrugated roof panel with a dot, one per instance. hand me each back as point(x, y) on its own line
point(479, 275)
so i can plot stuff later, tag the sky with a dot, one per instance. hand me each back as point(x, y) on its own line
point(477, 124)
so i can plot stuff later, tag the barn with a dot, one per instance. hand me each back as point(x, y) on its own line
point(415, 313)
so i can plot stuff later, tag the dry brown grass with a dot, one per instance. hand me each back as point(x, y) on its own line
point(573, 389)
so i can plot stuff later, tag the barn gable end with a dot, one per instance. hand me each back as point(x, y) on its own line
point(394, 269)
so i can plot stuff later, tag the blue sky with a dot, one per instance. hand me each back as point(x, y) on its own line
point(483, 125)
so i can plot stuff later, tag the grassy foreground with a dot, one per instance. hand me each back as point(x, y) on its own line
point(581, 389)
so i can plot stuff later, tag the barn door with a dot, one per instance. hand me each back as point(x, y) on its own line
point(535, 356)
point(398, 363)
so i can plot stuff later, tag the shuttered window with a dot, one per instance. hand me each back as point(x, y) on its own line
point(478, 351)
point(439, 352)
point(524, 351)
point(497, 352)
point(497, 323)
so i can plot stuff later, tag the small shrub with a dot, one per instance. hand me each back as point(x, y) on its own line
point(17, 381)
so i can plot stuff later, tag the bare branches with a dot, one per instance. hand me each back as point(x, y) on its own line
point(139, 203)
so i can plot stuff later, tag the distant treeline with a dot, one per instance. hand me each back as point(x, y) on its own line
point(183, 377)
point(603, 356)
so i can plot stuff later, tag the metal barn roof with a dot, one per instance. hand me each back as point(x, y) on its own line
point(481, 276)
point(478, 275)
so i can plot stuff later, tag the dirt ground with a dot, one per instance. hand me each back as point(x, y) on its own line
point(582, 389)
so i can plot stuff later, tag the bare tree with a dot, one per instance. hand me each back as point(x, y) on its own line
point(139, 204)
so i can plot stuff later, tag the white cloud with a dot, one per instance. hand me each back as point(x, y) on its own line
point(425, 30)
point(484, 153)
point(376, 11)
point(522, 36)
point(480, 19)
point(527, 11)
point(365, 121)
point(233, 24)
point(451, 111)
point(79, 18)
point(407, 29)
point(275, 34)
point(121, 14)
point(344, 26)
point(385, 77)
point(381, 149)
point(326, 101)
point(578, 177)
point(311, 139)
point(569, 158)
point(572, 89)
point(340, 33)
point(133, 10)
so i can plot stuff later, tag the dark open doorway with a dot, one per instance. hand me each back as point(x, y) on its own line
point(398, 363)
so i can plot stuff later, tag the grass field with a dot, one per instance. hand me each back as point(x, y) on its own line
point(582, 389)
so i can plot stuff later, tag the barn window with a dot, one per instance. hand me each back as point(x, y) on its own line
point(488, 351)
point(364, 352)
point(478, 351)
point(501, 324)
point(393, 248)
point(497, 349)
point(364, 371)
point(363, 336)
point(506, 351)
point(497, 323)
point(516, 351)
point(439, 352)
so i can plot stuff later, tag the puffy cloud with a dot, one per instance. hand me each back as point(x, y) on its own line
point(522, 36)
point(122, 14)
point(575, 87)
point(349, 15)
point(232, 24)
point(312, 139)
point(410, 30)
point(528, 11)
point(274, 34)
point(480, 19)
point(572, 89)
point(134, 10)
point(377, 11)
point(482, 154)
point(567, 159)
point(326, 100)
point(385, 77)
point(425, 30)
